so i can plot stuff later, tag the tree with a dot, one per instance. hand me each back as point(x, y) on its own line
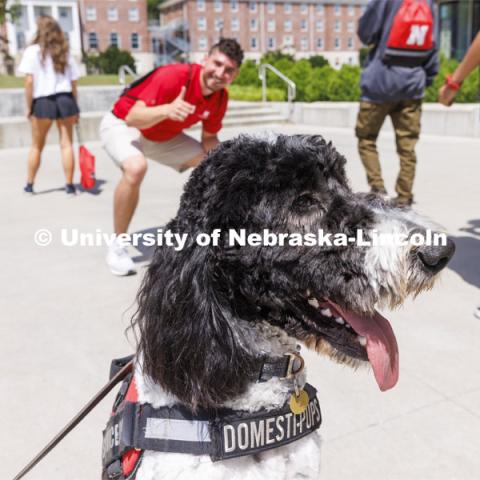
point(152, 8)
point(10, 13)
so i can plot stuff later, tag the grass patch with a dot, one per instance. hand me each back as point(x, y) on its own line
point(9, 81)
point(254, 94)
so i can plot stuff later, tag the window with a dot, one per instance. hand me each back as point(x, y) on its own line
point(271, 43)
point(42, 11)
point(202, 23)
point(252, 6)
point(234, 5)
point(351, 10)
point(350, 43)
point(270, 7)
point(135, 41)
point(65, 19)
point(202, 43)
point(338, 26)
point(320, 9)
point(234, 24)
point(133, 14)
point(112, 14)
point(114, 39)
point(91, 14)
point(320, 43)
point(253, 24)
point(92, 40)
point(287, 8)
point(337, 43)
point(303, 8)
point(303, 43)
point(253, 43)
point(271, 26)
point(218, 24)
point(351, 26)
point(200, 8)
point(287, 25)
point(303, 25)
point(319, 25)
point(217, 5)
point(287, 41)
point(337, 9)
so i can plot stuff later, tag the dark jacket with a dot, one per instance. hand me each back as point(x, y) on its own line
point(382, 83)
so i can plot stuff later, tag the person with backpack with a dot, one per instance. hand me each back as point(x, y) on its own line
point(402, 62)
point(148, 121)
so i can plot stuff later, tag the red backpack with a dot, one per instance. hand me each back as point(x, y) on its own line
point(410, 42)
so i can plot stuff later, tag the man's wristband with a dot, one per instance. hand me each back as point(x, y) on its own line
point(451, 83)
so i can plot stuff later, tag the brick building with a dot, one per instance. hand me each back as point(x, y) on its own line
point(300, 27)
point(122, 23)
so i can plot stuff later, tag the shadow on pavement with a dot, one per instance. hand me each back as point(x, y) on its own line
point(97, 190)
point(146, 252)
point(466, 261)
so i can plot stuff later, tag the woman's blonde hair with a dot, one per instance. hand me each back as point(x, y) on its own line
point(52, 42)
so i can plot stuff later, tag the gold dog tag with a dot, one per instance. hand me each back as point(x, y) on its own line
point(299, 403)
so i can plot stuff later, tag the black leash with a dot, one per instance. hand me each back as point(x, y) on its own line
point(128, 368)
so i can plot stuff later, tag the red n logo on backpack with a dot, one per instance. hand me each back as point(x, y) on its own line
point(411, 38)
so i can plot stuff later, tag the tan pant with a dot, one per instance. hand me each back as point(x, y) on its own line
point(405, 117)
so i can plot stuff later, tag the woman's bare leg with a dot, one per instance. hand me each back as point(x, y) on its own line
point(40, 127)
point(65, 131)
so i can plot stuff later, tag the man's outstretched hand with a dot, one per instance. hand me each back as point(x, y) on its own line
point(179, 109)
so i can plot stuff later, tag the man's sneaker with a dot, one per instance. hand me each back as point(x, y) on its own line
point(119, 261)
point(70, 189)
point(28, 189)
point(476, 312)
point(402, 202)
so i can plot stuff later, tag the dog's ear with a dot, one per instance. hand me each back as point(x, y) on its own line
point(190, 341)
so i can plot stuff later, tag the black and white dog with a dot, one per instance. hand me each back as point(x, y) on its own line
point(208, 315)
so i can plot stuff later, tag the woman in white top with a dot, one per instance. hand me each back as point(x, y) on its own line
point(51, 94)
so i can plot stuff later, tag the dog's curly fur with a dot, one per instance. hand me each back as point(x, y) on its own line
point(206, 314)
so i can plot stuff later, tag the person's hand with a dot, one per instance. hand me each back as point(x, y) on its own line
point(28, 113)
point(179, 109)
point(446, 95)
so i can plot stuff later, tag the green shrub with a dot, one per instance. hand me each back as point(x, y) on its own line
point(248, 74)
point(109, 61)
point(300, 73)
point(318, 61)
point(345, 85)
point(317, 89)
point(254, 94)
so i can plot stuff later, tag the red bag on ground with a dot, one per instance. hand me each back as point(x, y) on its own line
point(87, 168)
point(86, 161)
point(411, 38)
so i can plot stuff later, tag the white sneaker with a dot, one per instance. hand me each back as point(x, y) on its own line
point(119, 261)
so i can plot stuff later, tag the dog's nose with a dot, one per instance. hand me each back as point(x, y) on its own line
point(434, 258)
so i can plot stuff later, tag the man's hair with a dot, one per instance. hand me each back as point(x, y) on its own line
point(229, 47)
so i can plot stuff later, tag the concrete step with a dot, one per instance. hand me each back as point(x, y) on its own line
point(15, 131)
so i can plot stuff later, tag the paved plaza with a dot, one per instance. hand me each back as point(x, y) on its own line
point(64, 317)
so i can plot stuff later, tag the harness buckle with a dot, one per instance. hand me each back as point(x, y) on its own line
point(296, 365)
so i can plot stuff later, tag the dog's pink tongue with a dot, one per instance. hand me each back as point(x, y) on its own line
point(382, 348)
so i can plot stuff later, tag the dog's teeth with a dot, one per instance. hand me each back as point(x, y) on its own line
point(347, 325)
point(362, 341)
point(308, 293)
point(340, 320)
point(313, 302)
point(326, 312)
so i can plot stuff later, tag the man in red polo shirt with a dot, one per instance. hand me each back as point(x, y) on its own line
point(148, 121)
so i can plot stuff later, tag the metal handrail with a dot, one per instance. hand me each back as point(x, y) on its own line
point(292, 88)
point(122, 71)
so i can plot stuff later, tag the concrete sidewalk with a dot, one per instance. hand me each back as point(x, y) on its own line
point(64, 318)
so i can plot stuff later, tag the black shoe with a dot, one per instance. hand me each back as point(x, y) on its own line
point(402, 202)
point(70, 189)
point(28, 189)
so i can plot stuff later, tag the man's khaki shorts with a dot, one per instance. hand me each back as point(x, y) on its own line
point(121, 142)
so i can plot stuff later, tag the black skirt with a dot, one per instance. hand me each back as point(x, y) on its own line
point(60, 105)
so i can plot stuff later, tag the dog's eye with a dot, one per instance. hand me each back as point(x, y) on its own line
point(304, 202)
